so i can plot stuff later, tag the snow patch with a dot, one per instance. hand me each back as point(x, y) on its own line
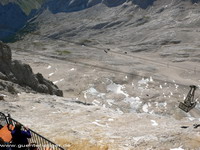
point(32, 108)
point(145, 108)
point(134, 102)
point(164, 95)
point(116, 88)
point(143, 81)
point(179, 148)
point(51, 74)
point(164, 104)
point(191, 118)
point(56, 112)
point(110, 119)
point(156, 103)
point(95, 102)
point(154, 123)
point(110, 101)
point(150, 79)
point(49, 67)
point(72, 69)
point(119, 111)
point(94, 92)
point(100, 125)
point(58, 81)
point(176, 86)
point(151, 112)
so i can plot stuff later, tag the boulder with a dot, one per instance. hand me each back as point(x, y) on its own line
point(5, 53)
point(1, 97)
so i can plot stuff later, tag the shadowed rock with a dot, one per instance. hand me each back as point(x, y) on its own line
point(22, 74)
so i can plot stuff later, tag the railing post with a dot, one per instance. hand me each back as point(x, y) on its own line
point(9, 120)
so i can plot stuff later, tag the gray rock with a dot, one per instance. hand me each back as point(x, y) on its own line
point(2, 86)
point(42, 88)
point(11, 89)
point(1, 97)
point(5, 53)
point(3, 76)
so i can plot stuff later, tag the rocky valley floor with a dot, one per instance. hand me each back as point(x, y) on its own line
point(108, 102)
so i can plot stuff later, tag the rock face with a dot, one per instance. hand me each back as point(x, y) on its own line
point(22, 74)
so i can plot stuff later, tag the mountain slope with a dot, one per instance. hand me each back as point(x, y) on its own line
point(23, 10)
point(123, 71)
point(12, 18)
point(14, 14)
point(125, 24)
point(26, 5)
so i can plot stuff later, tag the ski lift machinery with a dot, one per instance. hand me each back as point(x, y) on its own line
point(189, 102)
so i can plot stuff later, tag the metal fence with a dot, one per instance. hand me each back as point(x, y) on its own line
point(36, 139)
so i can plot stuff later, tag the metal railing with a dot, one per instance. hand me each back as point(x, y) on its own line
point(38, 140)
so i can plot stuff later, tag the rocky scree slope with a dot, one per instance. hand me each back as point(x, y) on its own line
point(21, 74)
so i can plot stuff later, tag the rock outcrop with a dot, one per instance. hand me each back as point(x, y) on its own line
point(22, 74)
